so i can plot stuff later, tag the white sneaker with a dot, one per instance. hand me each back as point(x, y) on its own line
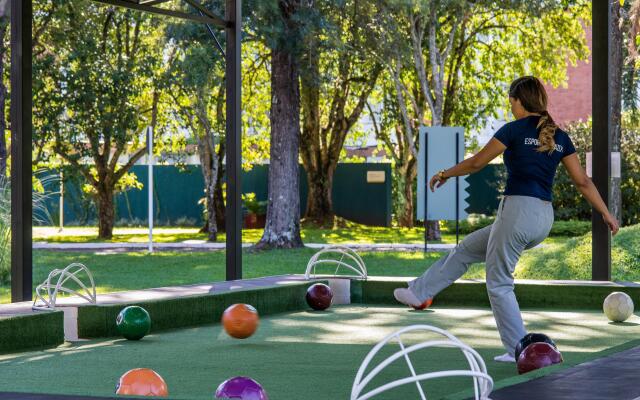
point(506, 358)
point(406, 296)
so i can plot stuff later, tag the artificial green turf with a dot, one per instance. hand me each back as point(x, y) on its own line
point(99, 320)
point(301, 355)
point(41, 329)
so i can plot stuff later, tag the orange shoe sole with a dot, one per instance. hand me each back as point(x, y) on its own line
point(424, 305)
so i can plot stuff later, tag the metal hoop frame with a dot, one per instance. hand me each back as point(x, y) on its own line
point(47, 292)
point(342, 256)
point(482, 381)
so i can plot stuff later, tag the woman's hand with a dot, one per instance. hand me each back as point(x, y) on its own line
point(436, 182)
point(612, 222)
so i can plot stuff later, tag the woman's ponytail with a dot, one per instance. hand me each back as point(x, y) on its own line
point(533, 97)
point(547, 131)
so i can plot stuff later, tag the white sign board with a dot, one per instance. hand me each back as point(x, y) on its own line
point(437, 151)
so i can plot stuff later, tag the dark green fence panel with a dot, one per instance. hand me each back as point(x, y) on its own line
point(353, 198)
point(177, 192)
point(485, 189)
point(359, 201)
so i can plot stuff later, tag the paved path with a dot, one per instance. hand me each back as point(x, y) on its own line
point(199, 245)
point(169, 292)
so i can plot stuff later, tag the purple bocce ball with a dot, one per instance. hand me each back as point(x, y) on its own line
point(242, 388)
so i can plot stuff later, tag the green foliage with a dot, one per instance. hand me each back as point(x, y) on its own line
point(491, 44)
point(569, 203)
point(251, 203)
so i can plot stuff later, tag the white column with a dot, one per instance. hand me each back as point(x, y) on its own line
point(150, 185)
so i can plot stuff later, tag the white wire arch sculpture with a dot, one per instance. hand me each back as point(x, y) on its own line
point(340, 256)
point(47, 292)
point(482, 381)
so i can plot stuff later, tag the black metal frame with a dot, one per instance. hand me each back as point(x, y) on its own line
point(21, 130)
point(208, 18)
point(21, 133)
point(601, 139)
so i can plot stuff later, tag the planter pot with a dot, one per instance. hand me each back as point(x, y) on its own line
point(254, 221)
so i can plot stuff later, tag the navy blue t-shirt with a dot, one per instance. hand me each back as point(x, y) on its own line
point(530, 172)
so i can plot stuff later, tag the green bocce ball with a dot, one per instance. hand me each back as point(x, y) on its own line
point(133, 322)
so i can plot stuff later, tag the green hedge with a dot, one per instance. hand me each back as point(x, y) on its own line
point(560, 228)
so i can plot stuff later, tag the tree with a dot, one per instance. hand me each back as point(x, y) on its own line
point(281, 23)
point(196, 74)
point(96, 82)
point(41, 19)
point(448, 63)
point(337, 77)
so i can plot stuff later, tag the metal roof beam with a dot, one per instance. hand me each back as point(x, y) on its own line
point(206, 19)
point(202, 9)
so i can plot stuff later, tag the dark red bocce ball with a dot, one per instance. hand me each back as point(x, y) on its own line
point(538, 355)
point(319, 296)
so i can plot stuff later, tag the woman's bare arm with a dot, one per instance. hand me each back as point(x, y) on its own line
point(472, 164)
point(588, 190)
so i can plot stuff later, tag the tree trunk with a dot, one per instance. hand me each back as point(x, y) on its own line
point(319, 173)
point(615, 63)
point(282, 228)
point(210, 174)
point(4, 24)
point(405, 176)
point(106, 212)
point(219, 196)
point(319, 202)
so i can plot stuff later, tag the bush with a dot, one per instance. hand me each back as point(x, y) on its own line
point(479, 221)
point(572, 259)
point(570, 228)
point(469, 225)
point(569, 203)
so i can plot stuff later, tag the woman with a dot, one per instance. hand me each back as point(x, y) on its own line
point(533, 147)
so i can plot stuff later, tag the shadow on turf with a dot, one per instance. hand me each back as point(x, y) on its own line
point(624, 323)
point(421, 311)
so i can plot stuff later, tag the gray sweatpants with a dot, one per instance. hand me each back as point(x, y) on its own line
point(522, 222)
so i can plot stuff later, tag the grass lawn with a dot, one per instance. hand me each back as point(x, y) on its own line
point(346, 232)
point(559, 258)
point(135, 270)
point(357, 234)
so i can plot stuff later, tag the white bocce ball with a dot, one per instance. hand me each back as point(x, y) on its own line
point(618, 306)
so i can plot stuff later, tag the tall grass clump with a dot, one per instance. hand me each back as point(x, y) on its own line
point(40, 215)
